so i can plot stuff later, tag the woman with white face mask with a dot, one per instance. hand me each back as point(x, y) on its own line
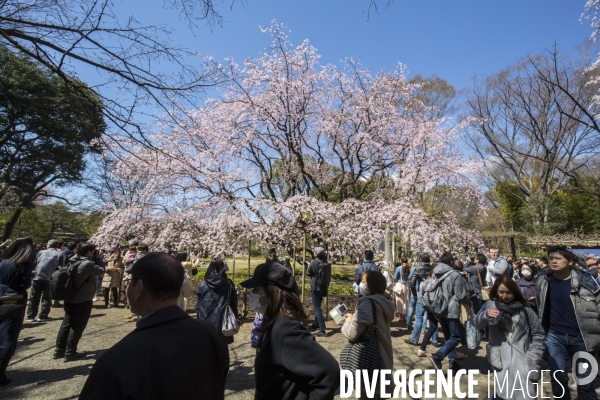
point(526, 284)
point(289, 363)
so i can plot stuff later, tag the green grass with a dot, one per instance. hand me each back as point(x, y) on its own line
point(341, 275)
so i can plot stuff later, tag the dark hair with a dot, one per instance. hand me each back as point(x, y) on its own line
point(282, 303)
point(133, 248)
point(563, 252)
point(458, 265)
point(446, 258)
point(424, 257)
point(510, 285)
point(142, 247)
point(115, 250)
point(481, 259)
point(216, 267)
point(534, 268)
point(369, 255)
point(59, 243)
point(544, 260)
point(85, 247)
point(181, 256)
point(20, 251)
point(161, 273)
point(375, 281)
point(71, 246)
point(53, 243)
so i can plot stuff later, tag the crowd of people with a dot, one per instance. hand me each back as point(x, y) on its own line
point(534, 315)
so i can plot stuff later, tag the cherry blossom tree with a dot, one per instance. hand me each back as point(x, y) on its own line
point(294, 148)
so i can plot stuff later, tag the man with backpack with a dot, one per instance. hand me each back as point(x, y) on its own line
point(443, 296)
point(320, 272)
point(84, 268)
point(420, 273)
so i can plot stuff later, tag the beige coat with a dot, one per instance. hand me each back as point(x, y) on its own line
point(188, 266)
point(362, 320)
point(114, 273)
point(186, 293)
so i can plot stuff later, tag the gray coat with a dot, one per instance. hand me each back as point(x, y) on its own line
point(523, 354)
point(46, 263)
point(499, 267)
point(453, 287)
point(585, 297)
point(85, 278)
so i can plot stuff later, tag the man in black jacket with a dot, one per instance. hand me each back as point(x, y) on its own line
point(320, 272)
point(169, 355)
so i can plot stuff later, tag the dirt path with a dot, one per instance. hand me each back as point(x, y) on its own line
point(36, 376)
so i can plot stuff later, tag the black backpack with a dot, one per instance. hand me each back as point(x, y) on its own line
point(62, 285)
point(323, 276)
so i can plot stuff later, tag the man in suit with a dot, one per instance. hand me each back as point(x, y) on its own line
point(169, 355)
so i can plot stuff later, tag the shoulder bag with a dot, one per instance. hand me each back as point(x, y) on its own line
point(230, 325)
point(363, 353)
point(485, 290)
point(12, 306)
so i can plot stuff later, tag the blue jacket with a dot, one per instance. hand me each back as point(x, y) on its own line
point(367, 266)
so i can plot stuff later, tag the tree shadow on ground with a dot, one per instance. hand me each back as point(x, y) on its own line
point(29, 341)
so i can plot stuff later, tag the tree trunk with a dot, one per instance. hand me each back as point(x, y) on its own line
point(10, 224)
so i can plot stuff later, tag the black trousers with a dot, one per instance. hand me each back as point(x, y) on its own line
point(115, 295)
point(39, 290)
point(77, 316)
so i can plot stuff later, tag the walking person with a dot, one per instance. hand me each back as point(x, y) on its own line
point(319, 271)
point(453, 289)
point(213, 296)
point(516, 346)
point(567, 299)
point(15, 278)
point(526, 284)
point(90, 265)
point(46, 263)
point(423, 271)
point(289, 363)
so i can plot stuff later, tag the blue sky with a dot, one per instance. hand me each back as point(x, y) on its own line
point(454, 39)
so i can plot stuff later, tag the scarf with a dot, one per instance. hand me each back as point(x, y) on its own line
point(505, 322)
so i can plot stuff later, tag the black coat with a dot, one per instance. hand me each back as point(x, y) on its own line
point(14, 280)
point(168, 356)
point(290, 364)
point(211, 301)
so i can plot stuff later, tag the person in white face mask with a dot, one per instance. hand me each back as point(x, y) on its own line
point(526, 284)
point(289, 363)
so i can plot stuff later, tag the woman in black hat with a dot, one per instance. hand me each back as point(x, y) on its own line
point(289, 364)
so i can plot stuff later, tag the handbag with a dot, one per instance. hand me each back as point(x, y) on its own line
point(485, 290)
point(363, 353)
point(12, 306)
point(473, 334)
point(230, 325)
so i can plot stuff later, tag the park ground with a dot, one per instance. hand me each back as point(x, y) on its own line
point(37, 376)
